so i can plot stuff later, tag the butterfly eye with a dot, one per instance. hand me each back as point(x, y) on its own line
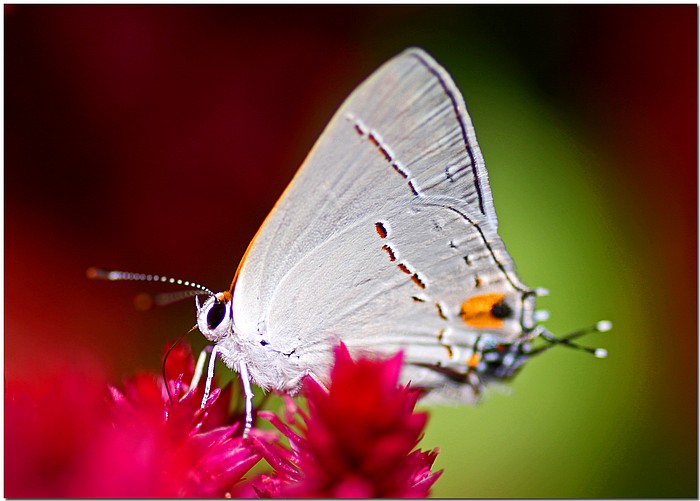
point(214, 319)
point(216, 315)
point(501, 310)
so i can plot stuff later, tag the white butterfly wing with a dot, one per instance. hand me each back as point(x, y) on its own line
point(383, 234)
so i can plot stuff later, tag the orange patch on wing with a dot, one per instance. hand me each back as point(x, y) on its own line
point(476, 311)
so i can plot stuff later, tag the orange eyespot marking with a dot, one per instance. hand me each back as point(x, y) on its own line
point(224, 296)
point(477, 311)
point(474, 360)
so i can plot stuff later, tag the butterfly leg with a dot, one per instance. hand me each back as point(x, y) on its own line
point(210, 374)
point(248, 391)
point(245, 380)
point(199, 368)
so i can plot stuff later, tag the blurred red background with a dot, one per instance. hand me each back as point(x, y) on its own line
point(156, 139)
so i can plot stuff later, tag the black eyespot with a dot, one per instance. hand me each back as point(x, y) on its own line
point(501, 310)
point(216, 315)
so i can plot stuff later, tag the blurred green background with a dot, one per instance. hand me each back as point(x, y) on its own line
point(157, 138)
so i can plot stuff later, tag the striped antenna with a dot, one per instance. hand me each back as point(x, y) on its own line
point(100, 274)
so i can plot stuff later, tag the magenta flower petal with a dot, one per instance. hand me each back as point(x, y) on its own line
point(358, 440)
point(73, 436)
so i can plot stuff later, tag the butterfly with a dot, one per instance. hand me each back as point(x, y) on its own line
point(385, 240)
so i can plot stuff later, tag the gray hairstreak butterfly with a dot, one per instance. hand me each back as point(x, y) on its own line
point(386, 240)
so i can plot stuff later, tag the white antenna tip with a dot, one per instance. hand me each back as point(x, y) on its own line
point(600, 353)
point(603, 326)
point(541, 291)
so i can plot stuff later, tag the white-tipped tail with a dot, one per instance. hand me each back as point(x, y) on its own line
point(541, 315)
point(603, 326)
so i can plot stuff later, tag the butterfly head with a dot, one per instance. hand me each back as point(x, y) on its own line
point(214, 317)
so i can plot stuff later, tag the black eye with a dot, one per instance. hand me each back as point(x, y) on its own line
point(501, 310)
point(216, 315)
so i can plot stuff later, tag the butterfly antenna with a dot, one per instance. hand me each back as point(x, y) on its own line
point(568, 340)
point(165, 360)
point(144, 301)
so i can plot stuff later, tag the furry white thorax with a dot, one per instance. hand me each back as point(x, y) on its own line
point(268, 368)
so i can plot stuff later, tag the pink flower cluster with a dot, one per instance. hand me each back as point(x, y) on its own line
point(69, 437)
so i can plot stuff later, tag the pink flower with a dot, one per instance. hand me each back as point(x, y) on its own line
point(86, 442)
point(358, 439)
point(71, 435)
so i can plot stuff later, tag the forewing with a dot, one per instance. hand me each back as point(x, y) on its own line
point(404, 134)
